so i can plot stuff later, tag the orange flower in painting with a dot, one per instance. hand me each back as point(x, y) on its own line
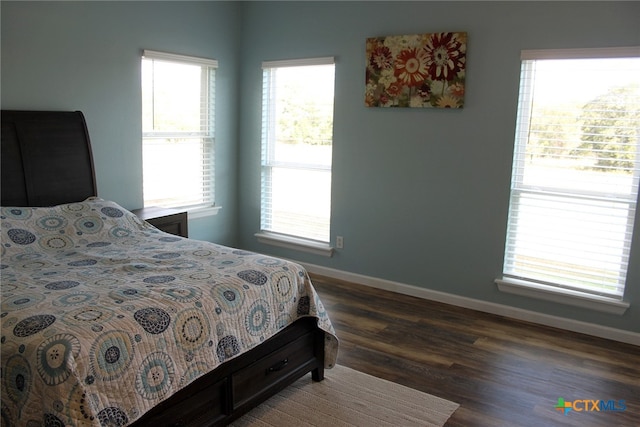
point(457, 90)
point(448, 102)
point(411, 66)
point(394, 89)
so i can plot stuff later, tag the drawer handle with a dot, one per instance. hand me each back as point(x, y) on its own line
point(278, 366)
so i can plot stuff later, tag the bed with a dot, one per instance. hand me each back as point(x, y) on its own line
point(108, 321)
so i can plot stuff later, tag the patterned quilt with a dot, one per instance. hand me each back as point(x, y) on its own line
point(104, 316)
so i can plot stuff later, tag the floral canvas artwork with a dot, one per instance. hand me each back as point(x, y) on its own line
point(416, 71)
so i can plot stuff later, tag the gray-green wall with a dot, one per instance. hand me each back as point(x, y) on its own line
point(85, 55)
point(420, 196)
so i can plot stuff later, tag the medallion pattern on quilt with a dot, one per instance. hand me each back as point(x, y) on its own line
point(104, 316)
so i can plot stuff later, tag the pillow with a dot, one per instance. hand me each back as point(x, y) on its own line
point(63, 227)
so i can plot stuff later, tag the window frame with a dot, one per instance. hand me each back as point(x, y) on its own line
point(542, 289)
point(269, 162)
point(206, 134)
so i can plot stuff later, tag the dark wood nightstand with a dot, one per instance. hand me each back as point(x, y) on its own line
point(168, 220)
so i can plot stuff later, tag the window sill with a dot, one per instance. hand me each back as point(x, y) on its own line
point(563, 296)
point(203, 212)
point(295, 243)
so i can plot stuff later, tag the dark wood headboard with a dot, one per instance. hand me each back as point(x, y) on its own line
point(46, 158)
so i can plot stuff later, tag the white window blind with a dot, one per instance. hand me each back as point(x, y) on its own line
point(297, 138)
point(575, 170)
point(178, 95)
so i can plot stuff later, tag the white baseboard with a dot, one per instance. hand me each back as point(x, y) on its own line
point(484, 306)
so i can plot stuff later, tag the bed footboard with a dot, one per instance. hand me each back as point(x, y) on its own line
point(243, 383)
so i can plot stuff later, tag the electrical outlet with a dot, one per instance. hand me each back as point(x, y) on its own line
point(339, 242)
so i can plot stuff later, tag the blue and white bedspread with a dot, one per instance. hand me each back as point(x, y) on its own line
point(104, 316)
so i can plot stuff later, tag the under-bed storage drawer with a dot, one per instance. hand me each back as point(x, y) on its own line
point(203, 407)
point(273, 370)
point(240, 384)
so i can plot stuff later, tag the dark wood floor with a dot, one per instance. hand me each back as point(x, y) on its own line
point(502, 372)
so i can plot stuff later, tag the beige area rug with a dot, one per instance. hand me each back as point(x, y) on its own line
point(349, 398)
